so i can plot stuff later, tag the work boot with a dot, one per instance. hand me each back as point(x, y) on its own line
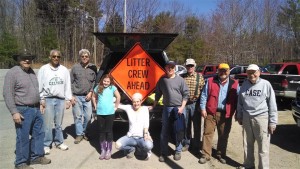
point(41, 160)
point(108, 150)
point(103, 146)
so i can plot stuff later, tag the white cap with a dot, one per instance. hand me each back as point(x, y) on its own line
point(190, 62)
point(253, 67)
point(136, 96)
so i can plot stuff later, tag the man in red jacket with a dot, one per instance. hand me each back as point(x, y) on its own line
point(218, 104)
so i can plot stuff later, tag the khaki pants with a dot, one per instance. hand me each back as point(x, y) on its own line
point(255, 128)
point(223, 127)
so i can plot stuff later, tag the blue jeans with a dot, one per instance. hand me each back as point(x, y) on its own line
point(165, 132)
point(54, 112)
point(82, 111)
point(26, 148)
point(189, 118)
point(129, 144)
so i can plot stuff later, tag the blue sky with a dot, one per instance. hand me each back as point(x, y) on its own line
point(197, 6)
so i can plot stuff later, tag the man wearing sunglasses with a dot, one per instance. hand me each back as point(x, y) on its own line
point(22, 99)
point(218, 104)
point(83, 76)
point(55, 89)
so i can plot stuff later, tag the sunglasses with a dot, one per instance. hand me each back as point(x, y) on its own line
point(189, 65)
point(56, 56)
point(84, 56)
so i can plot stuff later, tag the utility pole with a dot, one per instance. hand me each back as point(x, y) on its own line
point(125, 17)
point(95, 42)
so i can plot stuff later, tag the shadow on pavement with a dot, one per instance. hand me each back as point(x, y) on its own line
point(287, 137)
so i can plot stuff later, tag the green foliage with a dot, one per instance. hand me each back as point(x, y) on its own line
point(8, 47)
point(49, 41)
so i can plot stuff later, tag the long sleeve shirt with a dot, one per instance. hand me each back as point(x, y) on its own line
point(82, 79)
point(174, 90)
point(138, 120)
point(20, 88)
point(257, 99)
point(54, 82)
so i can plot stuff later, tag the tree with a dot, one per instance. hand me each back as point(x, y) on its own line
point(289, 19)
point(115, 24)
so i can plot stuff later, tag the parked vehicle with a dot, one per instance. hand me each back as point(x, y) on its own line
point(284, 78)
point(296, 107)
point(207, 70)
point(119, 44)
point(179, 69)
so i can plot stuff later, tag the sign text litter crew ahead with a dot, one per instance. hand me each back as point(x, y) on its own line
point(137, 72)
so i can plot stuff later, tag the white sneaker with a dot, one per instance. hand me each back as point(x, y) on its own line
point(149, 153)
point(46, 150)
point(63, 147)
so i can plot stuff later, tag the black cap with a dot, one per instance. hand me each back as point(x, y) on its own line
point(171, 63)
point(23, 55)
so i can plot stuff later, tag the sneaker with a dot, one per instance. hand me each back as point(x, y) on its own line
point(185, 148)
point(162, 158)
point(221, 159)
point(130, 154)
point(41, 160)
point(78, 139)
point(242, 167)
point(46, 150)
point(203, 160)
point(177, 156)
point(23, 166)
point(63, 147)
point(149, 153)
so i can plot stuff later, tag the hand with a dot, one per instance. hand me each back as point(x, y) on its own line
point(203, 113)
point(147, 137)
point(272, 129)
point(150, 108)
point(43, 106)
point(68, 104)
point(180, 110)
point(73, 101)
point(88, 97)
point(17, 117)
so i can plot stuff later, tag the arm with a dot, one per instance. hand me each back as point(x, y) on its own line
point(185, 96)
point(273, 115)
point(146, 126)
point(118, 98)
point(68, 91)
point(203, 100)
point(9, 86)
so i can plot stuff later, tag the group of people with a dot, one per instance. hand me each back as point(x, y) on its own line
point(38, 102)
point(218, 100)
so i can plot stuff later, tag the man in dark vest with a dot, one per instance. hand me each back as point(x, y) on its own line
point(218, 104)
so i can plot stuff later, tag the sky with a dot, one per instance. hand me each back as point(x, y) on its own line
point(197, 6)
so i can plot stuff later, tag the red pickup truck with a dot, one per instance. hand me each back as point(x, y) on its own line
point(284, 78)
point(207, 70)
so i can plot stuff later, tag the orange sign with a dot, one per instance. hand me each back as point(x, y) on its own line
point(137, 72)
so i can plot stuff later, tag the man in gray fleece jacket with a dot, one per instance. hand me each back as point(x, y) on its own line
point(257, 112)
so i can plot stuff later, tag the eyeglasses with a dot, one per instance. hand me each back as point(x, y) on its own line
point(189, 65)
point(84, 56)
point(56, 56)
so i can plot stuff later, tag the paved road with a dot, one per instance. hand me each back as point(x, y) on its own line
point(285, 147)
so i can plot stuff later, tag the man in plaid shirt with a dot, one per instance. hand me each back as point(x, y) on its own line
point(195, 83)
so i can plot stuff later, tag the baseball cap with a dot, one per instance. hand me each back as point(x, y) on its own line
point(190, 62)
point(170, 62)
point(253, 67)
point(223, 66)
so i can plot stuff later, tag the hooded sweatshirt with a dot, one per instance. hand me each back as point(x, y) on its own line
point(257, 99)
